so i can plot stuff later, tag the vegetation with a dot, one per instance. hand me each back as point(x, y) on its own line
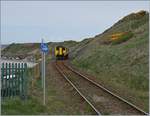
point(122, 65)
point(18, 107)
point(25, 48)
point(122, 38)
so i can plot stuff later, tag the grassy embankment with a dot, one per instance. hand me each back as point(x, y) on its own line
point(121, 65)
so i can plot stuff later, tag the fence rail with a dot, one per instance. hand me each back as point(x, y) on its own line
point(14, 80)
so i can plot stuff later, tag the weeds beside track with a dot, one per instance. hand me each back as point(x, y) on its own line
point(98, 97)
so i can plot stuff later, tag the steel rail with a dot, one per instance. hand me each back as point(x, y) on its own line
point(108, 91)
point(58, 68)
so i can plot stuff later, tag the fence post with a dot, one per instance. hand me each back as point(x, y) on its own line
point(9, 80)
point(2, 80)
point(16, 80)
point(6, 86)
point(13, 80)
point(25, 80)
point(22, 81)
point(19, 79)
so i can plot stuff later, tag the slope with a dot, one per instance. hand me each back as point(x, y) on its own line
point(122, 65)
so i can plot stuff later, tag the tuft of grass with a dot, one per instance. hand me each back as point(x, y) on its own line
point(19, 107)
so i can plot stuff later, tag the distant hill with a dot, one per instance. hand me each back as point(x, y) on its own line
point(33, 49)
point(118, 57)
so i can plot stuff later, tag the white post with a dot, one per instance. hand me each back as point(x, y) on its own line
point(44, 80)
point(42, 69)
point(43, 75)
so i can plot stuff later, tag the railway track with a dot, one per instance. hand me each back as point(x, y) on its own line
point(99, 98)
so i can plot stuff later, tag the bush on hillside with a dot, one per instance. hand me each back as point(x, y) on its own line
point(124, 37)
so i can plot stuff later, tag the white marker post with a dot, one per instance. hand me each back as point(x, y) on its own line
point(42, 69)
point(44, 49)
point(44, 79)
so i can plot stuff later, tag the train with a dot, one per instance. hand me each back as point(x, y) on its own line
point(61, 53)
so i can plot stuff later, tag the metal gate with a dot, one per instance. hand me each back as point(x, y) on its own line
point(14, 80)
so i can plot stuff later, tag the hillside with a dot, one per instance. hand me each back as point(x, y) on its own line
point(33, 49)
point(16, 48)
point(120, 62)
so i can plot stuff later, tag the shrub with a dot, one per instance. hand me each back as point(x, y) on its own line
point(122, 38)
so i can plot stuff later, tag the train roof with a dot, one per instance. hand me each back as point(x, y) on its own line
point(60, 46)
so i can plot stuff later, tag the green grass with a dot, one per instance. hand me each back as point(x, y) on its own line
point(19, 107)
point(123, 66)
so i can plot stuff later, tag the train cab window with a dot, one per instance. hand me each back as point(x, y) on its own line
point(57, 48)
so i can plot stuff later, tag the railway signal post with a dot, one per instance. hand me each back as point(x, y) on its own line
point(44, 49)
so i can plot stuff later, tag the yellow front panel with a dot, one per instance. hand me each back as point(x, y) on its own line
point(56, 52)
point(60, 51)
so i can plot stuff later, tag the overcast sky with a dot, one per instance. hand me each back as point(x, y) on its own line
point(29, 21)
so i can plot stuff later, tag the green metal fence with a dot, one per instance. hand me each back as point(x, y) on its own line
point(14, 80)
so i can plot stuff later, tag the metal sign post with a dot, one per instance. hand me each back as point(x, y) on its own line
point(44, 49)
point(44, 79)
point(42, 69)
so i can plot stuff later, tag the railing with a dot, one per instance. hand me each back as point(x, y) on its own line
point(14, 80)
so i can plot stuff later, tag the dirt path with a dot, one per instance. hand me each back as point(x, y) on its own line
point(61, 97)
